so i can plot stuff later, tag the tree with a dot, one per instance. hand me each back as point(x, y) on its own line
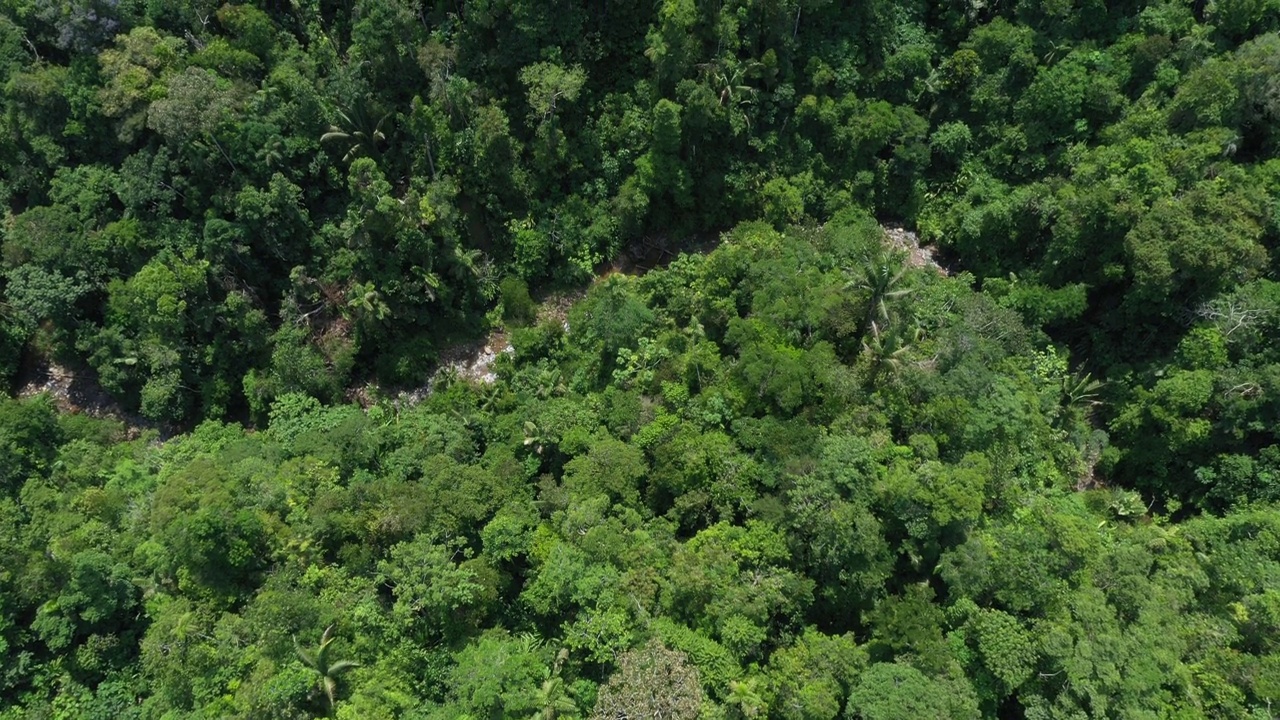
point(894, 691)
point(132, 70)
point(1195, 246)
point(145, 353)
point(499, 675)
point(745, 696)
point(196, 103)
point(840, 542)
point(810, 679)
point(672, 43)
point(82, 25)
point(888, 349)
point(728, 80)
point(610, 467)
point(320, 663)
point(359, 132)
point(553, 699)
point(549, 84)
point(880, 277)
point(37, 295)
point(430, 587)
point(650, 681)
point(1008, 651)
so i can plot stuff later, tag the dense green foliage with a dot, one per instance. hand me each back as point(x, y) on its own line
point(723, 479)
point(797, 476)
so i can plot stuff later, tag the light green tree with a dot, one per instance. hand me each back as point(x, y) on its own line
point(548, 85)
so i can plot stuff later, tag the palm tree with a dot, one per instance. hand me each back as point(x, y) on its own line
point(366, 301)
point(548, 383)
point(319, 661)
point(746, 695)
point(535, 437)
point(490, 396)
point(468, 260)
point(881, 277)
point(425, 281)
point(888, 348)
point(728, 79)
point(552, 699)
point(1080, 394)
point(360, 132)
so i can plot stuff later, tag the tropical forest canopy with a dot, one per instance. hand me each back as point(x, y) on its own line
point(802, 473)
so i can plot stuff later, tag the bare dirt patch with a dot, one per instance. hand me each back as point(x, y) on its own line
point(471, 361)
point(556, 306)
point(78, 392)
point(918, 256)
